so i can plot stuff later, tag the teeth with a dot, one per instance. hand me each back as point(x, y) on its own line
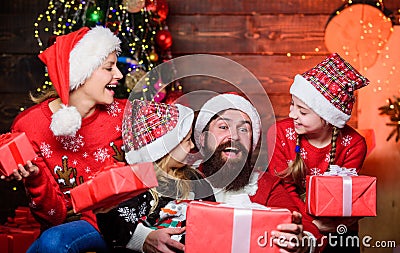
point(111, 86)
point(235, 150)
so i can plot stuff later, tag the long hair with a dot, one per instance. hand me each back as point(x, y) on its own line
point(180, 177)
point(297, 169)
point(46, 94)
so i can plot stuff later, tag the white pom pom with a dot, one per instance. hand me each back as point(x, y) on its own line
point(66, 121)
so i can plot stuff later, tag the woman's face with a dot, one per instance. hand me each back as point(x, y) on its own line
point(98, 87)
point(179, 153)
point(306, 121)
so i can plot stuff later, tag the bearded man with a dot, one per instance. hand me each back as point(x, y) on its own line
point(227, 131)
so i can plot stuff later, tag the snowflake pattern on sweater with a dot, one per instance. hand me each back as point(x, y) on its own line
point(119, 224)
point(68, 161)
point(351, 150)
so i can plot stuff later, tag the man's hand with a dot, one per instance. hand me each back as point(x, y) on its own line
point(159, 241)
point(289, 237)
point(22, 172)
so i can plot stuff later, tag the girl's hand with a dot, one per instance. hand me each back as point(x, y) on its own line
point(331, 224)
point(22, 172)
point(289, 237)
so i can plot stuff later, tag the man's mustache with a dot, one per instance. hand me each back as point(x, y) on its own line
point(232, 144)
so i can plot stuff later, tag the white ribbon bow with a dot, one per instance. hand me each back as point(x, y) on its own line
point(335, 170)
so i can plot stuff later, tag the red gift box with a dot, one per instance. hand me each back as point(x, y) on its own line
point(219, 228)
point(341, 195)
point(15, 148)
point(3, 243)
point(20, 241)
point(112, 186)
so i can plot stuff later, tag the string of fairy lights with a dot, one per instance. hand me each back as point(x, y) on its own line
point(140, 24)
point(371, 47)
point(141, 27)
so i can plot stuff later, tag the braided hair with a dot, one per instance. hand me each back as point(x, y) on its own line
point(297, 169)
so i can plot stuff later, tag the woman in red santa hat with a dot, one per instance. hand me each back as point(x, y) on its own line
point(75, 130)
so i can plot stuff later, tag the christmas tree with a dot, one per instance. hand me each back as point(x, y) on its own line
point(141, 26)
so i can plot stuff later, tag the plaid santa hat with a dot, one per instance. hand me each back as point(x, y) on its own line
point(224, 102)
point(70, 61)
point(328, 89)
point(151, 129)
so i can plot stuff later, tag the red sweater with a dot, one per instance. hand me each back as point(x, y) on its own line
point(271, 193)
point(351, 150)
point(66, 162)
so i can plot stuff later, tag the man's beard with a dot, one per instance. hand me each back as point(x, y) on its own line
point(232, 173)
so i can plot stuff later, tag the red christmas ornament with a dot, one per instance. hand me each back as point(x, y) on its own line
point(164, 39)
point(159, 8)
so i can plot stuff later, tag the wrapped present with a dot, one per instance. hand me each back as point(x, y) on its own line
point(15, 148)
point(340, 192)
point(20, 241)
point(113, 185)
point(223, 228)
point(4, 243)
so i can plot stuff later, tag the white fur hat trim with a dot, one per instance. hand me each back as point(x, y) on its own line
point(306, 92)
point(89, 53)
point(224, 102)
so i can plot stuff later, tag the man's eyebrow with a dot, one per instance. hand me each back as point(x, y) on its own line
point(228, 119)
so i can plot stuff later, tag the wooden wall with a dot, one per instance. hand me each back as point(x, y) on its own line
point(257, 34)
point(20, 69)
point(254, 33)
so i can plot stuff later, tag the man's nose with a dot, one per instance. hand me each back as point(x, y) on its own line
point(233, 134)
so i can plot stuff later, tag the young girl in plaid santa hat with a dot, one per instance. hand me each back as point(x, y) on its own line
point(159, 133)
point(75, 130)
point(316, 136)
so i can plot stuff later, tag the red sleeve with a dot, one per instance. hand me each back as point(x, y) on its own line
point(280, 151)
point(355, 154)
point(279, 148)
point(271, 193)
point(42, 190)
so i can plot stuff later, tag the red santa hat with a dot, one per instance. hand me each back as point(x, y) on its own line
point(154, 129)
point(328, 89)
point(70, 61)
point(224, 102)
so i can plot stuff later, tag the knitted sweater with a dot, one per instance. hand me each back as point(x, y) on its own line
point(66, 162)
point(127, 225)
point(351, 150)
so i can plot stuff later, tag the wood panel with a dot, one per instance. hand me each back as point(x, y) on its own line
point(17, 35)
point(251, 6)
point(22, 6)
point(10, 106)
point(233, 7)
point(20, 73)
point(241, 34)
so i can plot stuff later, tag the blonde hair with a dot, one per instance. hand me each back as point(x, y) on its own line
point(181, 176)
point(297, 169)
point(46, 94)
